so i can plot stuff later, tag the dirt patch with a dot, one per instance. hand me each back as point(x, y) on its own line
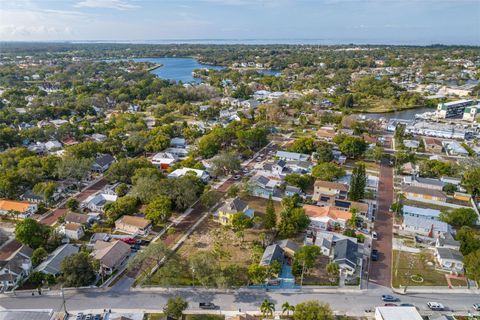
point(318, 275)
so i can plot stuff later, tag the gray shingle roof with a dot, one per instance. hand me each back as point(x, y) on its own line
point(449, 254)
point(53, 262)
point(271, 253)
point(346, 252)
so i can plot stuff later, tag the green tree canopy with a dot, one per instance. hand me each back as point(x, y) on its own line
point(313, 310)
point(459, 217)
point(32, 233)
point(77, 270)
point(328, 171)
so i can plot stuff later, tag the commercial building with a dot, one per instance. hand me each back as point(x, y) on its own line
point(397, 313)
point(454, 109)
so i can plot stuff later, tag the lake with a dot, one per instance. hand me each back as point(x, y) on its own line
point(178, 69)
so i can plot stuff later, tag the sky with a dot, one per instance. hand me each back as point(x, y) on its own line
point(416, 22)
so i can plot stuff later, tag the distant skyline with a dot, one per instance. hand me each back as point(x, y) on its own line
point(409, 22)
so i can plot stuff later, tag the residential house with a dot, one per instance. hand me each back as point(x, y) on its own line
point(433, 145)
point(411, 144)
point(345, 255)
point(78, 218)
point(73, 230)
point(111, 255)
point(178, 152)
point(231, 207)
point(328, 188)
point(102, 163)
point(447, 241)
point(272, 253)
point(424, 213)
point(202, 174)
point(178, 142)
point(449, 259)
point(426, 227)
point(427, 183)
point(97, 201)
point(420, 194)
point(261, 186)
point(279, 166)
point(454, 148)
point(288, 246)
point(326, 133)
point(339, 157)
point(298, 166)
point(52, 264)
point(164, 160)
point(53, 145)
point(24, 209)
point(30, 196)
point(133, 225)
point(15, 263)
point(460, 196)
point(98, 137)
point(290, 191)
point(326, 218)
point(409, 168)
point(285, 155)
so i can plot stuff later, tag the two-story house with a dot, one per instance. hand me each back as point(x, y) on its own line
point(328, 188)
point(231, 207)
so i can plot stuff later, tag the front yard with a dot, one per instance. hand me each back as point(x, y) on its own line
point(410, 269)
point(318, 276)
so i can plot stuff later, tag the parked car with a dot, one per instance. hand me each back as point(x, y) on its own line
point(374, 255)
point(435, 306)
point(89, 317)
point(79, 316)
point(374, 235)
point(389, 298)
point(407, 305)
point(143, 242)
point(390, 305)
point(129, 240)
point(97, 317)
point(476, 307)
point(236, 177)
point(207, 305)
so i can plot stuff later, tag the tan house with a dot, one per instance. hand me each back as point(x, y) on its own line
point(110, 254)
point(73, 230)
point(329, 188)
point(133, 225)
point(418, 193)
point(433, 145)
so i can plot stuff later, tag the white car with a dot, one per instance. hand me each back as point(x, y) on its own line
point(374, 235)
point(435, 306)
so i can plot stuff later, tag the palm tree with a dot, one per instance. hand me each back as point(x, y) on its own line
point(287, 307)
point(352, 222)
point(267, 308)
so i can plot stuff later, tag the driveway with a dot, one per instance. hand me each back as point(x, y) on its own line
point(380, 271)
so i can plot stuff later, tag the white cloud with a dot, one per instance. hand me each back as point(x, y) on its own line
point(107, 4)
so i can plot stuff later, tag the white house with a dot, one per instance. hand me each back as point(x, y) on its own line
point(73, 230)
point(164, 160)
point(425, 227)
point(97, 201)
point(449, 259)
point(286, 155)
point(202, 174)
point(430, 214)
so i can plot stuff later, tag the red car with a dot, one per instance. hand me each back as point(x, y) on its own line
point(129, 240)
point(390, 305)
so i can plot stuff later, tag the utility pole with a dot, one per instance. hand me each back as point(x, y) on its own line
point(303, 270)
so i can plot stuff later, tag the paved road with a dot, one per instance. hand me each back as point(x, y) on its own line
point(352, 303)
point(380, 271)
point(57, 213)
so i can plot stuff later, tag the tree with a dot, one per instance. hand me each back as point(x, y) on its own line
point(257, 273)
point(328, 171)
point(358, 183)
point(74, 169)
point(204, 266)
point(225, 163)
point(210, 198)
point(45, 190)
point(72, 204)
point(471, 179)
point(298, 180)
point(175, 307)
point(267, 308)
point(287, 307)
point(38, 255)
point(459, 217)
point(313, 310)
point(323, 153)
point(121, 189)
point(303, 145)
point(31, 233)
point(352, 147)
point(159, 210)
point(332, 270)
point(450, 188)
point(304, 259)
point(469, 240)
point(270, 217)
point(240, 222)
point(156, 251)
point(124, 205)
point(352, 222)
point(472, 265)
point(77, 270)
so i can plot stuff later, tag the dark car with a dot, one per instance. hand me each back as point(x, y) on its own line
point(207, 305)
point(389, 298)
point(143, 242)
point(390, 305)
point(374, 255)
point(407, 305)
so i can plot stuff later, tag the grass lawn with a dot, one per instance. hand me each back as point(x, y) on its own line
point(425, 205)
point(410, 264)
